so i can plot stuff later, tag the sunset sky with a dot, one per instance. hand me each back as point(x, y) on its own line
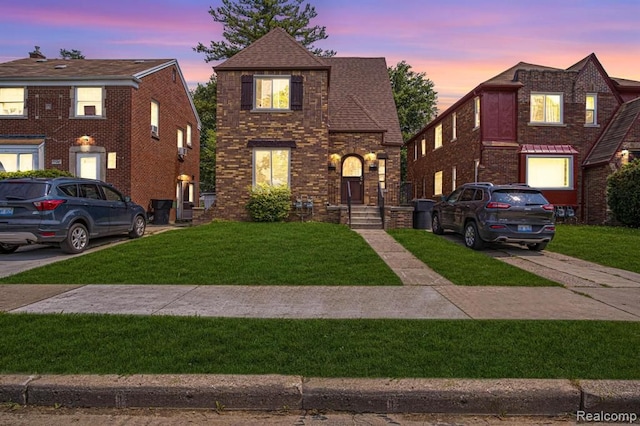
point(456, 43)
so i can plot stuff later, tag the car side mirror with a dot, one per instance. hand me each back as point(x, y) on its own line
point(127, 199)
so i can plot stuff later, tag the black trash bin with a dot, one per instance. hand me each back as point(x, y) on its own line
point(422, 213)
point(161, 210)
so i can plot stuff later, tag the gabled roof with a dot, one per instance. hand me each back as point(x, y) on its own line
point(509, 76)
point(361, 99)
point(613, 136)
point(105, 72)
point(275, 50)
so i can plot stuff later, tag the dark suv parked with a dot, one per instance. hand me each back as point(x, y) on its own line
point(64, 211)
point(483, 212)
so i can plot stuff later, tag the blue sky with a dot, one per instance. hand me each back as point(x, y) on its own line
point(457, 43)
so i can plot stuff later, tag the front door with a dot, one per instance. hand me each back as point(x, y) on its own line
point(88, 165)
point(352, 178)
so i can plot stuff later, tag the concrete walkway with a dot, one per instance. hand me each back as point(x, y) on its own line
point(591, 292)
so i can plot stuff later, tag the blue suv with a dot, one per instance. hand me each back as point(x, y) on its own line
point(64, 211)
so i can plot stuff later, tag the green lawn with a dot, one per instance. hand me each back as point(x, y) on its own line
point(461, 265)
point(228, 253)
point(616, 247)
point(98, 344)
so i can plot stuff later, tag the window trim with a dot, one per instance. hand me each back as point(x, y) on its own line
point(270, 77)
point(595, 110)
point(99, 109)
point(570, 166)
point(24, 103)
point(544, 112)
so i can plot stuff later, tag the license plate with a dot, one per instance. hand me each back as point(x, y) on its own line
point(6, 211)
point(524, 228)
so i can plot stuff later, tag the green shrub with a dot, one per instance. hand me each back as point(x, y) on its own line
point(269, 203)
point(623, 194)
point(47, 173)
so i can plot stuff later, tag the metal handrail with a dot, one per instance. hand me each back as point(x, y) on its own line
point(381, 202)
point(349, 201)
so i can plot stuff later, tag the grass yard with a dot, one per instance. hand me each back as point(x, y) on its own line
point(227, 253)
point(461, 265)
point(616, 247)
point(99, 344)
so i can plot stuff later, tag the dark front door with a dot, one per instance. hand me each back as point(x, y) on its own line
point(352, 178)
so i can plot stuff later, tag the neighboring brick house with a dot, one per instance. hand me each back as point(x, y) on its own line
point(561, 130)
point(131, 123)
point(315, 124)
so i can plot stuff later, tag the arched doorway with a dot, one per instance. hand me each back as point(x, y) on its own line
point(353, 176)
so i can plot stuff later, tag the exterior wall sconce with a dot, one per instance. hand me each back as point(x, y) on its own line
point(370, 159)
point(85, 140)
point(334, 159)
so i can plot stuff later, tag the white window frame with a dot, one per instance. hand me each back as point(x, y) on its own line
point(476, 112)
point(257, 83)
point(437, 183)
point(546, 120)
point(189, 136)
point(180, 138)
point(155, 118)
point(271, 150)
point(537, 180)
point(85, 96)
point(454, 126)
point(13, 102)
point(437, 141)
point(594, 110)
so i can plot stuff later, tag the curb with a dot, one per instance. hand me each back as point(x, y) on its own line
point(277, 393)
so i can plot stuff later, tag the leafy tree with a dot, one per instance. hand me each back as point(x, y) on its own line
point(205, 99)
point(71, 54)
point(245, 21)
point(623, 194)
point(416, 102)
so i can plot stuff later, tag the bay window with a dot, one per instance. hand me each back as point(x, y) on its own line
point(549, 172)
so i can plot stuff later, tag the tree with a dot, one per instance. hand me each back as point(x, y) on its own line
point(204, 99)
point(245, 21)
point(71, 54)
point(416, 102)
point(623, 194)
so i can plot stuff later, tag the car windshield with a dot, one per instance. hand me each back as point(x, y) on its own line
point(519, 197)
point(15, 190)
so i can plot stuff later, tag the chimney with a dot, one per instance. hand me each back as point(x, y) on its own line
point(37, 54)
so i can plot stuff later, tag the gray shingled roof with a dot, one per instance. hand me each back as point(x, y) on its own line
point(275, 50)
point(613, 136)
point(30, 69)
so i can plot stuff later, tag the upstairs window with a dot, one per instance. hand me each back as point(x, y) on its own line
point(89, 101)
point(155, 118)
point(180, 138)
point(189, 136)
point(271, 93)
point(12, 101)
point(423, 147)
point(476, 112)
point(590, 109)
point(438, 137)
point(546, 108)
point(454, 126)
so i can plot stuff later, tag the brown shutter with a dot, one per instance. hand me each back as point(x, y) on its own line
point(246, 96)
point(296, 92)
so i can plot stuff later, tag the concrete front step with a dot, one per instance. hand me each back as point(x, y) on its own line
point(365, 217)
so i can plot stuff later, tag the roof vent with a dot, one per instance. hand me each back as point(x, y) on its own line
point(59, 67)
point(139, 61)
point(41, 60)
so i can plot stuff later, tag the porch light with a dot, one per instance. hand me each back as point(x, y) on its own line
point(183, 178)
point(370, 159)
point(85, 140)
point(334, 159)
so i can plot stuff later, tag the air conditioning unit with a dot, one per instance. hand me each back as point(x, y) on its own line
point(154, 129)
point(182, 150)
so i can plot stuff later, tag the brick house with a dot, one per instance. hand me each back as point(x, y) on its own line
point(561, 130)
point(131, 123)
point(318, 125)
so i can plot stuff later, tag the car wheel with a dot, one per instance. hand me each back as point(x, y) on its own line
point(139, 226)
point(8, 248)
point(436, 227)
point(471, 237)
point(537, 246)
point(77, 239)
